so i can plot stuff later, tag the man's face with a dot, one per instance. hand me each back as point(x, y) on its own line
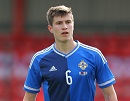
point(62, 28)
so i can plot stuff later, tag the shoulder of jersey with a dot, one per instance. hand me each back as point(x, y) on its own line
point(89, 47)
point(94, 50)
point(44, 51)
point(41, 53)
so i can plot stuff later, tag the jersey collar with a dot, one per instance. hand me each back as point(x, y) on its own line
point(66, 55)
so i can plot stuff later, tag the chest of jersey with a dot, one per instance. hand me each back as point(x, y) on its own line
point(57, 69)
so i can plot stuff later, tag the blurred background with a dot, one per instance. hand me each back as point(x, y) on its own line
point(104, 24)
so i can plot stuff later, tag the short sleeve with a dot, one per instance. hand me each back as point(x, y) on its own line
point(104, 75)
point(34, 79)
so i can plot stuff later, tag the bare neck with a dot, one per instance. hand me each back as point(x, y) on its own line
point(65, 47)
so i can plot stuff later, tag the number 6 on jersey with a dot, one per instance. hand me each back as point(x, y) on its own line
point(68, 77)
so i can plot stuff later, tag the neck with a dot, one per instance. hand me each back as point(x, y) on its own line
point(65, 47)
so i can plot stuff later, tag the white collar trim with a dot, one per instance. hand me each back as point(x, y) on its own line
point(66, 55)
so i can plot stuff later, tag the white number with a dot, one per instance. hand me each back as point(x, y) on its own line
point(68, 78)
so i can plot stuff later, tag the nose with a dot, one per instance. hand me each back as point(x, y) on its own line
point(64, 26)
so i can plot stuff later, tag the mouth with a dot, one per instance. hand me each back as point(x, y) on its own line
point(65, 33)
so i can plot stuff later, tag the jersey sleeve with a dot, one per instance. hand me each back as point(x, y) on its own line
point(104, 75)
point(34, 78)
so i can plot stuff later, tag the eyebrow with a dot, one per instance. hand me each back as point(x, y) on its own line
point(63, 21)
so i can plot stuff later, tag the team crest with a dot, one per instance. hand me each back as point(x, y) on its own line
point(83, 65)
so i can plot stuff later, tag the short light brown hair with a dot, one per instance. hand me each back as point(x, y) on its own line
point(57, 11)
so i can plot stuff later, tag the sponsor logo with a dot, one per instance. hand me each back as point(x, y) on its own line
point(53, 68)
point(83, 73)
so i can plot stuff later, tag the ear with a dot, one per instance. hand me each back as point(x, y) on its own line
point(50, 28)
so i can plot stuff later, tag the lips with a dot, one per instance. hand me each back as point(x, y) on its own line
point(64, 33)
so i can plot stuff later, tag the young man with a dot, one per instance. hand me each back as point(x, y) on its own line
point(68, 70)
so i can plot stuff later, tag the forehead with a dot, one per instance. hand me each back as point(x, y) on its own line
point(63, 18)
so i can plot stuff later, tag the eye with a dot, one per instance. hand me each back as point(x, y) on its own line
point(59, 23)
point(68, 22)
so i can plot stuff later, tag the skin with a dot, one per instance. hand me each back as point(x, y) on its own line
point(109, 94)
point(62, 29)
point(29, 97)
